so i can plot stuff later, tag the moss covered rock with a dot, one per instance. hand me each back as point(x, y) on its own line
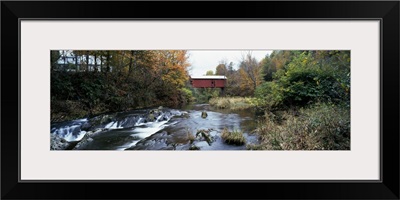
point(204, 114)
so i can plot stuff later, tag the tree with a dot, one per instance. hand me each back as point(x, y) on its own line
point(277, 60)
point(222, 68)
point(54, 57)
point(233, 84)
point(209, 73)
point(128, 79)
point(250, 73)
point(268, 68)
point(309, 77)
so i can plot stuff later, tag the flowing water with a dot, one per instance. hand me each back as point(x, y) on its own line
point(157, 129)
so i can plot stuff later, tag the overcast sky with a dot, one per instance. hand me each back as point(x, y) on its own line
point(204, 60)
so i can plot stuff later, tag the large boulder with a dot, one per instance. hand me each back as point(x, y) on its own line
point(58, 143)
point(151, 118)
point(86, 126)
point(98, 122)
point(87, 138)
point(205, 134)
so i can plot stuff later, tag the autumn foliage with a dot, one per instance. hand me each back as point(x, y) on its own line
point(103, 81)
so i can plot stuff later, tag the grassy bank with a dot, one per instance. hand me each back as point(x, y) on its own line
point(233, 103)
point(318, 127)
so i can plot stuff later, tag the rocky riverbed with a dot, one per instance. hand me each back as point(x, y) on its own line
point(154, 129)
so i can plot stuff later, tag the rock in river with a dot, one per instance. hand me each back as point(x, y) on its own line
point(204, 114)
point(58, 143)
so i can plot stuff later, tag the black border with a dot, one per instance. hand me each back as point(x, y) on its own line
point(13, 11)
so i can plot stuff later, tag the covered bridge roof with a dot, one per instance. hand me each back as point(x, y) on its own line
point(208, 77)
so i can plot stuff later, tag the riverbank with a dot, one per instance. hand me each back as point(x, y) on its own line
point(316, 127)
point(70, 110)
point(319, 126)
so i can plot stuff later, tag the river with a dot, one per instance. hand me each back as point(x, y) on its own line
point(155, 129)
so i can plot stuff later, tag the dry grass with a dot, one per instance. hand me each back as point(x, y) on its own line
point(233, 103)
point(235, 137)
point(321, 127)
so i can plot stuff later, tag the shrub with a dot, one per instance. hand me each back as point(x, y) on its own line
point(269, 94)
point(66, 110)
point(187, 95)
point(310, 84)
point(203, 95)
point(303, 81)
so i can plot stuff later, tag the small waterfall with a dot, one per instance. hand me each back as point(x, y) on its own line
point(69, 132)
point(112, 125)
point(140, 122)
point(137, 123)
point(70, 137)
point(159, 117)
point(109, 125)
point(146, 131)
point(129, 121)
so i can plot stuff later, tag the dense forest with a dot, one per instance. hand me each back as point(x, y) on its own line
point(85, 83)
point(303, 96)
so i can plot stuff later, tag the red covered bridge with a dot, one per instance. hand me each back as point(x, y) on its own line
point(208, 81)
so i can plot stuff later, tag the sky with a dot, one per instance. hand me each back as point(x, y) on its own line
point(203, 60)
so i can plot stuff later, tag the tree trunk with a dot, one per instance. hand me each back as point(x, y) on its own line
point(95, 62)
point(101, 63)
point(108, 61)
point(130, 64)
point(76, 62)
point(87, 61)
